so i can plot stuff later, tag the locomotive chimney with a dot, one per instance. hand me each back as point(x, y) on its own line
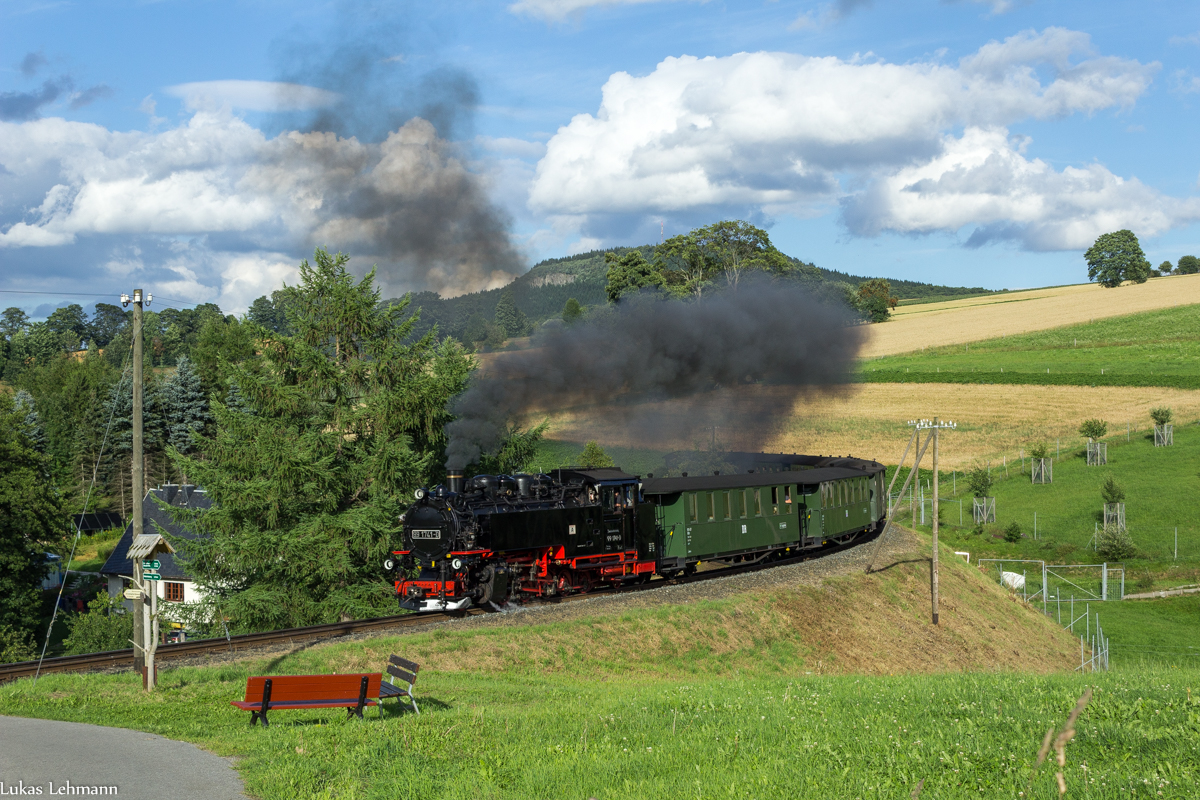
point(454, 479)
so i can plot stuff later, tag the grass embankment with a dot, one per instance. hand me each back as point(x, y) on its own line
point(1156, 348)
point(968, 320)
point(714, 699)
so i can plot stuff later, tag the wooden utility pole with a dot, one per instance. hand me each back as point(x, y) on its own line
point(139, 489)
point(144, 627)
point(934, 587)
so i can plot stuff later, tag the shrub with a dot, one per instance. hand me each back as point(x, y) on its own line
point(1111, 491)
point(979, 481)
point(105, 626)
point(16, 644)
point(1038, 450)
point(1115, 545)
point(1093, 428)
point(978, 529)
point(1012, 533)
point(1161, 415)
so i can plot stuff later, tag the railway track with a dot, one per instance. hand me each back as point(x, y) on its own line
point(247, 643)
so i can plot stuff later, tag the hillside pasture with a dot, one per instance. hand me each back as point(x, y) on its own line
point(1153, 348)
point(971, 319)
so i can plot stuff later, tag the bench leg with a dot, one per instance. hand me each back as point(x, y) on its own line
point(255, 716)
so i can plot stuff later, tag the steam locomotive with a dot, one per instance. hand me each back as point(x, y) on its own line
point(495, 539)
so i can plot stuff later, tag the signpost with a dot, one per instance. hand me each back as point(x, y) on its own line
point(151, 576)
point(133, 594)
point(151, 564)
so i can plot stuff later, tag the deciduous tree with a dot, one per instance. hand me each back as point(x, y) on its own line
point(630, 273)
point(1188, 265)
point(1117, 257)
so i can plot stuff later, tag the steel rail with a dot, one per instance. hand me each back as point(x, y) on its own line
point(248, 642)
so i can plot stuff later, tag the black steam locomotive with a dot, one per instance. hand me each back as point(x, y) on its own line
point(493, 539)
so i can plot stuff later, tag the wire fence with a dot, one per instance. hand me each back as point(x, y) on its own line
point(1066, 593)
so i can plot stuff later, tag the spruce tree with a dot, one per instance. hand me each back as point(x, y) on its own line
point(509, 318)
point(32, 519)
point(186, 408)
point(23, 402)
point(346, 420)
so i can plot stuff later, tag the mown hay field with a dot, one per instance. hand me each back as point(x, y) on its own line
point(869, 420)
point(972, 319)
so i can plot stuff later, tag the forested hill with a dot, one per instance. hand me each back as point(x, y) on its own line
point(542, 291)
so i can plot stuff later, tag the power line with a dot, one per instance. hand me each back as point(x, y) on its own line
point(93, 294)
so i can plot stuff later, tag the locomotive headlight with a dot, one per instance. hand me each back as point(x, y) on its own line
point(419, 494)
point(389, 564)
point(456, 563)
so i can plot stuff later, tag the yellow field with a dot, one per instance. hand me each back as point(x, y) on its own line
point(869, 421)
point(958, 321)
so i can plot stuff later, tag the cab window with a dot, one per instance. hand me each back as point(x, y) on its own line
point(608, 496)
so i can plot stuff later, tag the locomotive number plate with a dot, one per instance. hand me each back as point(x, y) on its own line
point(426, 534)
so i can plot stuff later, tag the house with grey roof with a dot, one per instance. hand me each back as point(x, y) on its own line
point(176, 585)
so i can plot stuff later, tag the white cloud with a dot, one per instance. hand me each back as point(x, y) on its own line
point(559, 10)
point(781, 132)
point(983, 179)
point(251, 95)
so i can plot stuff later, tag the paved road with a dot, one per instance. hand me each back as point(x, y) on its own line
point(38, 753)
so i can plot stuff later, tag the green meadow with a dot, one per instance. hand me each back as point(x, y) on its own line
point(1161, 486)
point(1156, 348)
point(769, 730)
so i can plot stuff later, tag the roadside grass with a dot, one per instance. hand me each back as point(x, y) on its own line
point(1153, 632)
point(1146, 349)
point(764, 732)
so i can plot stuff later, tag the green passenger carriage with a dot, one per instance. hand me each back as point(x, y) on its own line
point(790, 503)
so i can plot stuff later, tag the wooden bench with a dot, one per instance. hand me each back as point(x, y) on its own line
point(406, 671)
point(273, 692)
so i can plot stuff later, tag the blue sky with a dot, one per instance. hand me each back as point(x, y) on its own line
point(200, 149)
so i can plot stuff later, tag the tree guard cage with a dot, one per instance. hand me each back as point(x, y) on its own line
point(1114, 516)
point(1164, 435)
point(1042, 470)
point(1097, 454)
point(984, 510)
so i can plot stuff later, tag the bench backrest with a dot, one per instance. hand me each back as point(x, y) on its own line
point(403, 669)
point(313, 687)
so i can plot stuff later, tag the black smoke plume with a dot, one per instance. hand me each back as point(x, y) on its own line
point(395, 182)
point(650, 350)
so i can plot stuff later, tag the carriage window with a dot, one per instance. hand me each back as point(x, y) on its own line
point(728, 505)
point(742, 503)
point(758, 502)
point(774, 499)
point(691, 507)
point(787, 495)
point(712, 503)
